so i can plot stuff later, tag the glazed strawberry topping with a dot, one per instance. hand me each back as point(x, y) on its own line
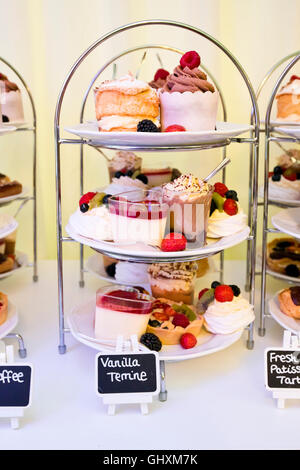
point(180, 320)
point(85, 199)
point(190, 59)
point(161, 73)
point(124, 301)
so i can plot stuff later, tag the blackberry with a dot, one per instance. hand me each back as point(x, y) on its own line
point(142, 178)
point(215, 284)
point(111, 270)
point(292, 270)
point(283, 245)
point(118, 174)
point(84, 207)
point(129, 173)
point(2, 258)
point(213, 207)
point(151, 341)
point(277, 170)
point(147, 126)
point(276, 177)
point(231, 194)
point(154, 323)
point(236, 290)
point(105, 199)
point(4, 118)
point(298, 176)
point(176, 173)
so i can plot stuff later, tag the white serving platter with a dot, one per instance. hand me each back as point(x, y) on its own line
point(276, 200)
point(286, 322)
point(6, 129)
point(5, 200)
point(288, 221)
point(11, 322)
point(9, 225)
point(22, 262)
point(140, 252)
point(81, 321)
point(225, 130)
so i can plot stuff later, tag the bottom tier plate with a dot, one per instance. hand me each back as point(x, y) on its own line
point(11, 322)
point(81, 321)
point(286, 322)
point(22, 260)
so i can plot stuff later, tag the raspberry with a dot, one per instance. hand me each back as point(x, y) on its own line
point(290, 175)
point(188, 340)
point(161, 73)
point(180, 320)
point(146, 125)
point(175, 128)
point(230, 207)
point(173, 242)
point(224, 293)
point(85, 199)
point(190, 59)
point(221, 189)
point(202, 292)
point(294, 77)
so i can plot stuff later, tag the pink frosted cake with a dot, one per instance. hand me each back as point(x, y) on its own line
point(187, 99)
point(11, 101)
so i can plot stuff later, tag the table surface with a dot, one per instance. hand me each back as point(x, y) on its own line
point(215, 402)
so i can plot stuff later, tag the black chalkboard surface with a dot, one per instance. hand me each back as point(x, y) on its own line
point(282, 368)
point(15, 384)
point(127, 373)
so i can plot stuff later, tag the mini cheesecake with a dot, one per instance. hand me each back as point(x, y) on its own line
point(289, 301)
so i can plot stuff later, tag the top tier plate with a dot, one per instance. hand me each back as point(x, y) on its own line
point(148, 141)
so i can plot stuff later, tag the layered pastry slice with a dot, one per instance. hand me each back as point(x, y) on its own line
point(8, 187)
point(3, 308)
point(121, 104)
point(288, 101)
point(289, 301)
point(283, 256)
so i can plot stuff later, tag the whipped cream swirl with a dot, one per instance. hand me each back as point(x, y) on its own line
point(221, 224)
point(228, 317)
point(186, 79)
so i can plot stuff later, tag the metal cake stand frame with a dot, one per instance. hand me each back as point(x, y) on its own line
point(253, 141)
point(271, 137)
point(24, 199)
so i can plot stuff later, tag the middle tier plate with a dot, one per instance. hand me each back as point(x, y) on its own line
point(140, 253)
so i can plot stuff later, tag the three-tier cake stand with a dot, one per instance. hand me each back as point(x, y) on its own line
point(82, 142)
point(275, 132)
point(24, 198)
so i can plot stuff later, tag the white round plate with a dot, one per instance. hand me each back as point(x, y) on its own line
point(130, 251)
point(8, 225)
point(288, 221)
point(276, 200)
point(90, 132)
point(22, 262)
point(14, 124)
point(286, 322)
point(81, 325)
point(284, 277)
point(11, 322)
point(6, 129)
point(293, 130)
point(5, 200)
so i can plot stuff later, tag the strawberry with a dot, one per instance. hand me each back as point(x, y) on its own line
point(169, 310)
point(188, 340)
point(161, 316)
point(161, 73)
point(221, 189)
point(85, 199)
point(230, 207)
point(190, 59)
point(294, 77)
point(175, 128)
point(180, 320)
point(290, 175)
point(173, 242)
point(224, 293)
point(202, 292)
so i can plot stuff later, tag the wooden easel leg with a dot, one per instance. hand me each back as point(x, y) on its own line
point(163, 395)
point(144, 409)
point(111, 410)
point(14, 423)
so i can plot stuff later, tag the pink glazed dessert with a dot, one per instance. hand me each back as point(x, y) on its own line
point(187, 98)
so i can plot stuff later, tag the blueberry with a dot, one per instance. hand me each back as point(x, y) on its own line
point(236, 290)
point(292, 270)
point(118, 174)
point(105, 199)
point(215, 284)
point(84, 207)
point(276, 177)
point(231, 194)
point(142, 178)
point(129, 173)
point(4, 118)
point(213, 207)
point(111, 269)
point(154, 323)
point(283, 244)
point(278, 170)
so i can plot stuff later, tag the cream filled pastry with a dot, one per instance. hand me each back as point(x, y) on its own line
point(288, 101)
point(92, 219)
point(121, 104)
point(224, 309)
point(187, 98)
point(174, 281)
point(226, 215)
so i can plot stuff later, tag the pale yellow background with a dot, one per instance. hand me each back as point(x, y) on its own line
point(43, 38)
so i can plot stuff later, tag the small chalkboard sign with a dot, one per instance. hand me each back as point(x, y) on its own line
point(128, 373)
point(282, 368)
point(15, 385)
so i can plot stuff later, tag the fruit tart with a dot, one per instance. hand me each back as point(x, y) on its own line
point(283, 256)
point(8, 187)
